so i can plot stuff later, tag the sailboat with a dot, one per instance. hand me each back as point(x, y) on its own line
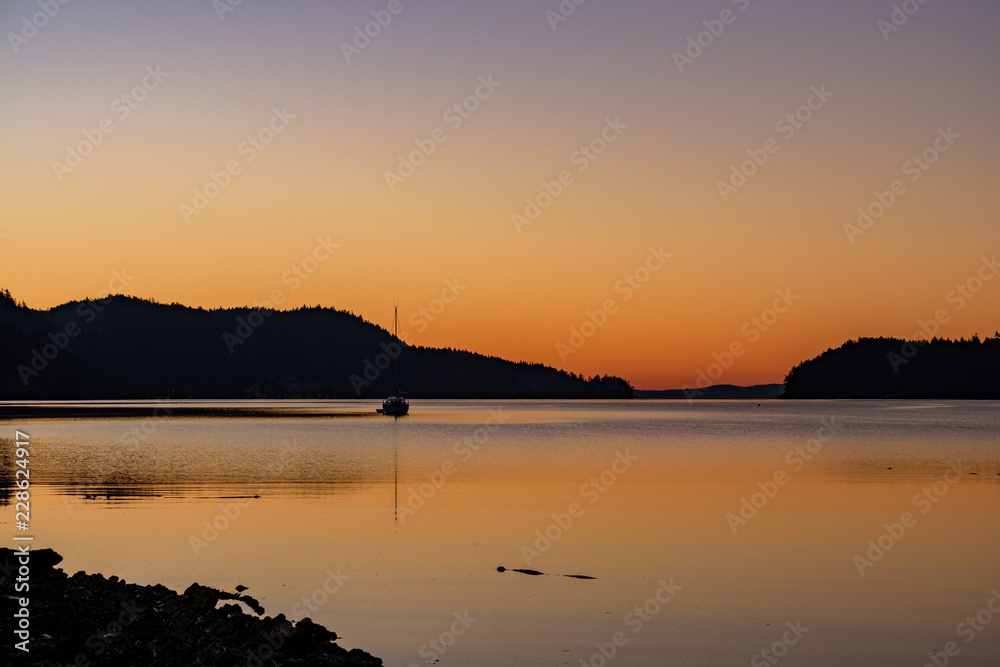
point(395, 405)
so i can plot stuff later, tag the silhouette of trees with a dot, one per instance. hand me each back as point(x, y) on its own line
point(897, 368)
point(6, 299)
point(139, 348)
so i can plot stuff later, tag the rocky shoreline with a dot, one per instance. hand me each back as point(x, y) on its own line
point(87, 619)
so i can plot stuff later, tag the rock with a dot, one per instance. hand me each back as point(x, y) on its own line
point(86, 620)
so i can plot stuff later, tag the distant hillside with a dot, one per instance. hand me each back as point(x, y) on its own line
point(896, 368)
point(757, 392)
point(125, 347)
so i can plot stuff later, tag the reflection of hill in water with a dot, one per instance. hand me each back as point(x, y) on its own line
point(117, 456)
point(177, 455)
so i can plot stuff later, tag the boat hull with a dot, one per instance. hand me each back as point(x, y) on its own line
point(394, 406)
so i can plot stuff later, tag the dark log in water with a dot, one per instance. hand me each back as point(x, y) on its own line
point(536, 573)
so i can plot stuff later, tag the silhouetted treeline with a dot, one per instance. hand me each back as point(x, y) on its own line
point(717, 392)
point(897, 368)
point(126, 347)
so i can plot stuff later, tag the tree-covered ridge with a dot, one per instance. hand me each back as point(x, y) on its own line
point(127, 347)
point(898, 368)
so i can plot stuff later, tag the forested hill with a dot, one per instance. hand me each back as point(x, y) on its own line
point(897, 368)
point(125, 347)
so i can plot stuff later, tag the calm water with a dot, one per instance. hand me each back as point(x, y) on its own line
point(416, 515)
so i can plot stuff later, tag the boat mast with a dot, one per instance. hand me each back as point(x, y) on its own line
point(395, 334)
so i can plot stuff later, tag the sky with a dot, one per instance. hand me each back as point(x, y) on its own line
point(669, 192)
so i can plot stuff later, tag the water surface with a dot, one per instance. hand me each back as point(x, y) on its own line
point(414, 515)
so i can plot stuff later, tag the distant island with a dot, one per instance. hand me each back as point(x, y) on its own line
point(123, 347)
point(898, 368)
point(717, 392)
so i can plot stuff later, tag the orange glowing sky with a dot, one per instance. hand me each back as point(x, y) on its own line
point(64, 231)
